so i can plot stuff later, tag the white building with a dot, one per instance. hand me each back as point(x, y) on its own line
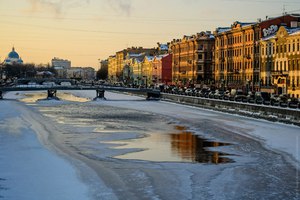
point(83, 73)
point(13, 58)
point(57, 62)
point(61, 66)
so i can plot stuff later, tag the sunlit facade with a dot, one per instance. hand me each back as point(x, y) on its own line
point(112, 68)
point(192, 59)
point(280, 62)
point(234, 55)
point(121, 57)
point(237, 51)
point(147, 70)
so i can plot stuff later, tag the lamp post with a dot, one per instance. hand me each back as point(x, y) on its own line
point(146, 81)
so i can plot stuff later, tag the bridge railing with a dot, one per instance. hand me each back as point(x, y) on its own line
point(151, 93)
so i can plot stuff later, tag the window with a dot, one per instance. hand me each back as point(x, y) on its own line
point(200, 67)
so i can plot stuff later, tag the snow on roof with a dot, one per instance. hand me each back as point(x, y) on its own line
point(150, 58)
point(223, 29)
point(293, 31)
point(164, 47)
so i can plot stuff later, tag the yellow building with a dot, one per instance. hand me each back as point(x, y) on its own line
point(112, 69)
point(147, 68)
point(192, 59)
point(132, 71)
point(121, 57)
point(280, 62)
point(234, 55)
point(237, 51)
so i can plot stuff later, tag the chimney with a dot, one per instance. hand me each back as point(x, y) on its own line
point(294, 24)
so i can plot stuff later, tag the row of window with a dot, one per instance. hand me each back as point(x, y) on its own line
point(234, 40)
point(291, 65)
point(280, 48)
point(235, 52)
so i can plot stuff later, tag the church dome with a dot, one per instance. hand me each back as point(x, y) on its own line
point(13, 54)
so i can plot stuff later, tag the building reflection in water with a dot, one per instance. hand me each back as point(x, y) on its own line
point(193, 148)
point(179, 146)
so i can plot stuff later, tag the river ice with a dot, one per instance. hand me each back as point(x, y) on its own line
point(266, 154)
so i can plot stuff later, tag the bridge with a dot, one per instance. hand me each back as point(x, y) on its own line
point(100, 90)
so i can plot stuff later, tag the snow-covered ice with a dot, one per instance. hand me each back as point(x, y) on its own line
point(80, 140)
point(29, 171)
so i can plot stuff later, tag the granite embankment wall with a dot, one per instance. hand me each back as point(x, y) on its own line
point(271, 113)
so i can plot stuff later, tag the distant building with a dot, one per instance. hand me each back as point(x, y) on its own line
point(162, 69)
point(121, 56)
point(147, 71)
point(193, 58)
point(132, 71)
point(112, 68)
point(61, 66)
point(57, 62)
point(162, 48)
point(13, 58)
point(81, 73)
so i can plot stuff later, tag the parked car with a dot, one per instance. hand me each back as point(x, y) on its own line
point(65, 83)
point(181, 91)
point(219, 94)
point(293, 102)
point(240, 96)
point(283, 100)
point(189, 91)
point(211, 94)
point(197, 92)
point(251, 97)
point(204, 92)
point(48, 83)
point(274, 100)
point(266, 98)
point(226, 95)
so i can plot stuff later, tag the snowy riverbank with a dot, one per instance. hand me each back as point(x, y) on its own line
point(85, 136)
point(29, 171)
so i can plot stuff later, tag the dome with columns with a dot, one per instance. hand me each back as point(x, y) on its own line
point(13, 58)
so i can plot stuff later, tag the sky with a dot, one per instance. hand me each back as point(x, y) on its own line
point(86, 31)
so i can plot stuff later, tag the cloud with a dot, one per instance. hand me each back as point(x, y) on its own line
point(124, 6)
point(55, 6)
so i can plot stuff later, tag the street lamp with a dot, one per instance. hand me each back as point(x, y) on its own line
point(146, 80)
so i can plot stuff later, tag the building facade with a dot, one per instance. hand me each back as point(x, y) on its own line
point(61, 66)
point(162, 69)
point(81, 73)
point(121, 57)
point(193, 59)
point(147, 71)
point(234, 55)
point(112, 69)
point(280, 62)
point(237, 51)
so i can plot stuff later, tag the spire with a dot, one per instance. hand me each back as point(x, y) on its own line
point(13, 49)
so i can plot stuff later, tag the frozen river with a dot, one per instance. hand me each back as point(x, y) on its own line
point(129, 148)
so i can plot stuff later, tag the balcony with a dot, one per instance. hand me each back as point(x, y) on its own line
point(201, 50)
point(280, 73)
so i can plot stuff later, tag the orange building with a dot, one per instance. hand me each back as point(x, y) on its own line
point(280, 62)
point(192, 60)
point(237, 51)
point(234, 55)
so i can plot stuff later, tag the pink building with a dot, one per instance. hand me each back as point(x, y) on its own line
point(162, 69)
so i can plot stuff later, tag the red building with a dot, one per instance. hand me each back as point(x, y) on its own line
point(162, 69)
